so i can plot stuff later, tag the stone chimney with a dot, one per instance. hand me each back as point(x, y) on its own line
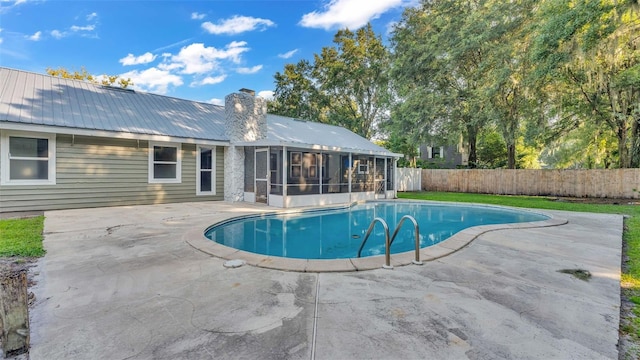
point(245, 116)
point(245, 121)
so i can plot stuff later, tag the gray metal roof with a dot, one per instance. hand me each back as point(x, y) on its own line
point(37, 99)
point(308, 134)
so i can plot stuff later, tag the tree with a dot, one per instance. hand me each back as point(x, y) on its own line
point(590, 51)
point(505, 69)
point(346, 85)
point(83, 74)
point(436, 73)
point(296, 95)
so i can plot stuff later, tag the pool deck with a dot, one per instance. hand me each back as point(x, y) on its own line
point(139, 282)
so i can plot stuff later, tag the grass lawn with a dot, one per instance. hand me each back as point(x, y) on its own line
point(630, 279)
point(21, 237)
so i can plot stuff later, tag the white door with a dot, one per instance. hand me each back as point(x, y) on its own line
point(262, 175)
point(381, 178)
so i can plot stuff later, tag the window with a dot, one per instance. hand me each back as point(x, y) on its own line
point(295, 163)
point(310, 166)
point(363, 167)
point(165, 163)
point(435, 152)
point(206, 165)
point(28, 158)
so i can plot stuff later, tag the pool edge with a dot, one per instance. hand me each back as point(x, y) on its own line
point(196, 239)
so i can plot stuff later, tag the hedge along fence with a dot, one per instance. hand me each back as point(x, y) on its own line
point(605, 183)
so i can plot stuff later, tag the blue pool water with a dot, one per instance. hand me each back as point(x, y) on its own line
point(338, 233)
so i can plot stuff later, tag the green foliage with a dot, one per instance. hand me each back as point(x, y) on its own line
point(586, 147)
point(346, 85)
point(436, 70)
point(400, 145)
point(84, 75)
point(21, 237)
point(588, 54)
point(492, 151)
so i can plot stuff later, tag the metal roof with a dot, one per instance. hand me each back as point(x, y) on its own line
point(314, 135)
point(37, 99)
point(46, 101)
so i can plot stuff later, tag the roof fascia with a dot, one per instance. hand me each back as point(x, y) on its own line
point(4, 125)
point(316, 147)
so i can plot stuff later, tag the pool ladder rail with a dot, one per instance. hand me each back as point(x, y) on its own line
point(389, 240)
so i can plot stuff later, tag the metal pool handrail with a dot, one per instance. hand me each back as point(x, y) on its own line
point(416, 229)
point(387, 253)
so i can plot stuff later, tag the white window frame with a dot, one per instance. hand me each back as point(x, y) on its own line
point(5, 158)
point(199, 192)
point(178, 178)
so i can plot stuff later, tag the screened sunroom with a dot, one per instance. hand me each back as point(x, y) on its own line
point(306, 163)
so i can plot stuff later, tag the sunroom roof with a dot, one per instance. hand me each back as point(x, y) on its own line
point(284, 131)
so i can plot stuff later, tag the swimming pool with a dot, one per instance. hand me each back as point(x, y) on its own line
point(337, 233)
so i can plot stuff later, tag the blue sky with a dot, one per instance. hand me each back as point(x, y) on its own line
point(198, 50)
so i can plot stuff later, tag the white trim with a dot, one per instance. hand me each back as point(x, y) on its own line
point(199, 192)
point(178, 178)
point(5, 177)
point(317, 148)
point(108, 134)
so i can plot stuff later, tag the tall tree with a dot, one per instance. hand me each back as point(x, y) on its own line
point(590, 51)
point(346, 85)
point(435, 71)
point(296, 94)
point(505, 68)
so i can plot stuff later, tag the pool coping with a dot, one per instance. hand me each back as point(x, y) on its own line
point(196, 239)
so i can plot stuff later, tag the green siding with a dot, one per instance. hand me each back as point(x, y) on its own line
point(95, 172)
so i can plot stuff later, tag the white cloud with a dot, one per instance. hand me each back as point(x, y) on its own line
point(251, 70)
point(215, 101)
point(209, 80)
point(237, 24)
point(83, 28)
point(58, 34)
point(198, 59)
point(153, 80)
point(130, 59)
point(197, 16)
point(347, 13)
point(92, 16)
point(6, 8)
point(36, 36)
point(288, 54)
point(266, 94)
point(169, 66)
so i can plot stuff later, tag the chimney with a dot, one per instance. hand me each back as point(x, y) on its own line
point(248, 91)
point(245, 116)
point(245, 120)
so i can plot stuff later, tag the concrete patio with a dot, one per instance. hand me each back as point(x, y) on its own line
point(124, 283)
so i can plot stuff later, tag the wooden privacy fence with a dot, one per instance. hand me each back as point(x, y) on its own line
point(409, 179)
point(609, 183)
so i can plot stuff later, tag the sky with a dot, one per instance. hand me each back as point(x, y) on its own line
point(196, 50)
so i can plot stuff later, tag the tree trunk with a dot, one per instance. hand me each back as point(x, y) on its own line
point(511, 156)
point(623, 150)
point(14, 313)
point(634, 155)
point(472, 138)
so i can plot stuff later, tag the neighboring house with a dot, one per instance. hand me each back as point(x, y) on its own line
point(444, 157)
point(72, 144)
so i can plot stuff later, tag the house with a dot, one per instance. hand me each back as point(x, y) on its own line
point(444, 157)
point(72, 144)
